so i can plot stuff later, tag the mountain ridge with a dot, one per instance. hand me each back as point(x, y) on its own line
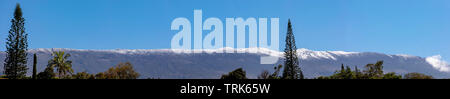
point(168, 63)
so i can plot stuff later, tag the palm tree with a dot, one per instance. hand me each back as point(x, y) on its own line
point(61, 63)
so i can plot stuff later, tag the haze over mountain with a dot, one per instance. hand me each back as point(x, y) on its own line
point(167, 63)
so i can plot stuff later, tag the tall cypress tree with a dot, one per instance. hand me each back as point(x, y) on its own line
point(34, 66)
point(291, 63)
point(15, 65)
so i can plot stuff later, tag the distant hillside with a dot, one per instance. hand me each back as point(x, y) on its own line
point(164, 63)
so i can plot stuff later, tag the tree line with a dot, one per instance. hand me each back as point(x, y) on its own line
point(372, 71)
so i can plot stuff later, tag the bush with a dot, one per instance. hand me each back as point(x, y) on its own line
point(83, 75)
point(121, 71)
point(417, 76)
point(236, 74)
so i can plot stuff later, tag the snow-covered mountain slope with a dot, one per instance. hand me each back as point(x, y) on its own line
point(167, 63)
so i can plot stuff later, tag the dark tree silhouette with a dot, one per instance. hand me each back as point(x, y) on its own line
point(46, 74)
point(415, 75)
point(34, 66)
point(266, 75)
point(15, 65)
point(236, 74)
point(291, 64)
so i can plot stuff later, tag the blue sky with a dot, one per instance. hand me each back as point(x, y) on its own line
point(414, 27)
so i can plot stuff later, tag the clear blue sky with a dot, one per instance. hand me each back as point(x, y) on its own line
point(414, 27)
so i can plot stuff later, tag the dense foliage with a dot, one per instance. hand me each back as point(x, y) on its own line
point(372, 71)
point(60, 67)
point(15, 66)
point(235, 74)
point(291, 63)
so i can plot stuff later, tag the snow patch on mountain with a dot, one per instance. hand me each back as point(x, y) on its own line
point(438, 64)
